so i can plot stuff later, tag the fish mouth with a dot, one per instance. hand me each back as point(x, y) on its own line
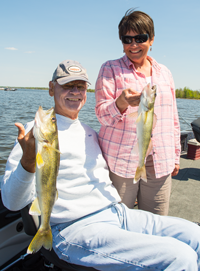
point(42, 116)
point(154, 87)
point(39, 118)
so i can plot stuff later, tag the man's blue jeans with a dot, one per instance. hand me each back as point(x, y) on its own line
point(119, 238)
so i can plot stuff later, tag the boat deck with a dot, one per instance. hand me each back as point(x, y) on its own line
point(185, 193)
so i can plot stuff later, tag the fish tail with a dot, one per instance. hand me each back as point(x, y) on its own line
point(140, 174)
point(42, 238)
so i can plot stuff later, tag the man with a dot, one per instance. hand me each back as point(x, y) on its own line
point(89, 224)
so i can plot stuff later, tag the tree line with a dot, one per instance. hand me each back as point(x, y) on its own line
point(187, 93)
point(184, 93)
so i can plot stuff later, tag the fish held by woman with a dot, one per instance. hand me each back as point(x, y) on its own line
point(47, 165)
point(145, 122)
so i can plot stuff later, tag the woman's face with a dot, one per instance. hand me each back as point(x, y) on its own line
point(137, 52)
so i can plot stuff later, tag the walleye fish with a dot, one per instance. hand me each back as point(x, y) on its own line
point(47, 164)
point(146, 121)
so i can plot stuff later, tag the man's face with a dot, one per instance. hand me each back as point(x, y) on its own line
point(69, 98)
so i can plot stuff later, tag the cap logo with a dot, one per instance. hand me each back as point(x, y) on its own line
point(74, 69)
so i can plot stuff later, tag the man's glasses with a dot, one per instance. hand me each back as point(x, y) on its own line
point(79, 87)
point(138, 38)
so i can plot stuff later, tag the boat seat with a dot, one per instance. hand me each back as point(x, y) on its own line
point(31, 224)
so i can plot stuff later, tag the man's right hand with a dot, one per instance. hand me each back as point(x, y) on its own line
point(27, 143)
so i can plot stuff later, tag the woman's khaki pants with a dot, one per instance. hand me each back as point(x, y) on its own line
point(152, 196)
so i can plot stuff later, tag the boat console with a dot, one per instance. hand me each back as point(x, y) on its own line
point(196, 129)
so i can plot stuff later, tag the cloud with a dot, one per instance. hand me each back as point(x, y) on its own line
point(29, 52)
point(11, 48)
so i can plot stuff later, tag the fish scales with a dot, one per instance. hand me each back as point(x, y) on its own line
point(47, 165)
point(144, 129)
point(146, 120)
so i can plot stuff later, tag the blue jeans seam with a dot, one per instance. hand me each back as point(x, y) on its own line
point(95, 252)
point(105, 255)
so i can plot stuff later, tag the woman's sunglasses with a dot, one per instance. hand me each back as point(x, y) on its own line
point(138, 38)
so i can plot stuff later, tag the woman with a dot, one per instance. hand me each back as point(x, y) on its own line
point(118, 89)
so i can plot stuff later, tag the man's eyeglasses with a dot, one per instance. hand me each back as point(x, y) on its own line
point(138, 38)
point(73, 86)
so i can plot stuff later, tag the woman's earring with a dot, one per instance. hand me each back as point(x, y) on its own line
point(151, 48)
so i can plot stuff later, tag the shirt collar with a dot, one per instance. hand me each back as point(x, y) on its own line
point(64, 119)
point(130, 65)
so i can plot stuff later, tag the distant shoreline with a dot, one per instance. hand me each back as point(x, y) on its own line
point(2, 88)
point(185, 93)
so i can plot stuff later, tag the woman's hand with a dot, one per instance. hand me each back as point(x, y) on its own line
point(128, 97)
point(176, 170)
point(27, 142)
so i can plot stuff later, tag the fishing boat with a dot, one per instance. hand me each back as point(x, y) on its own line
point(196, 129)
point(10, 89)
point(16, 234)
point(13, 239)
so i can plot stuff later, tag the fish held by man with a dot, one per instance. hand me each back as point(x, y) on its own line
point(145, 122)
point(47, 164)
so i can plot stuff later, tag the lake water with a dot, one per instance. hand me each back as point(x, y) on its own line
point(21, 106)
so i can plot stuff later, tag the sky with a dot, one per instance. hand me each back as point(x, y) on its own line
point(36, 35)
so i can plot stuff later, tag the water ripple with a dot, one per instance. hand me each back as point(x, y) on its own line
point(21, 106)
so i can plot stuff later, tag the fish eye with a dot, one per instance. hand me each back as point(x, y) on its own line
point(53, 119)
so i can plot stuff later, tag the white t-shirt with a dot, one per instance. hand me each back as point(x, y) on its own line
point(149, 80)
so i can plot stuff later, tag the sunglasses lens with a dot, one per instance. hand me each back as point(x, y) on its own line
point(138, 38)
point(141, 38)
point(127, 39)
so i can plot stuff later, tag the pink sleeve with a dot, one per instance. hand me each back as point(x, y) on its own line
point(105, 92)
point(176, 124)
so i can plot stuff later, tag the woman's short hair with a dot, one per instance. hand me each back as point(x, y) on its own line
point(138, 22)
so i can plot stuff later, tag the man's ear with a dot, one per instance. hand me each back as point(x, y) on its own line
point(51, 88)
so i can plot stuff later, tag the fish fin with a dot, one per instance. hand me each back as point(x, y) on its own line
point(150, 147)
point(139, 118)
point(133, 115)
point(154, 120)
point(35, 208)
point(42, 238)
point(39, 160)
point(140, 174)
point(145, 116)
point(49, 146)
point(56, 196)
point(135, 149)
